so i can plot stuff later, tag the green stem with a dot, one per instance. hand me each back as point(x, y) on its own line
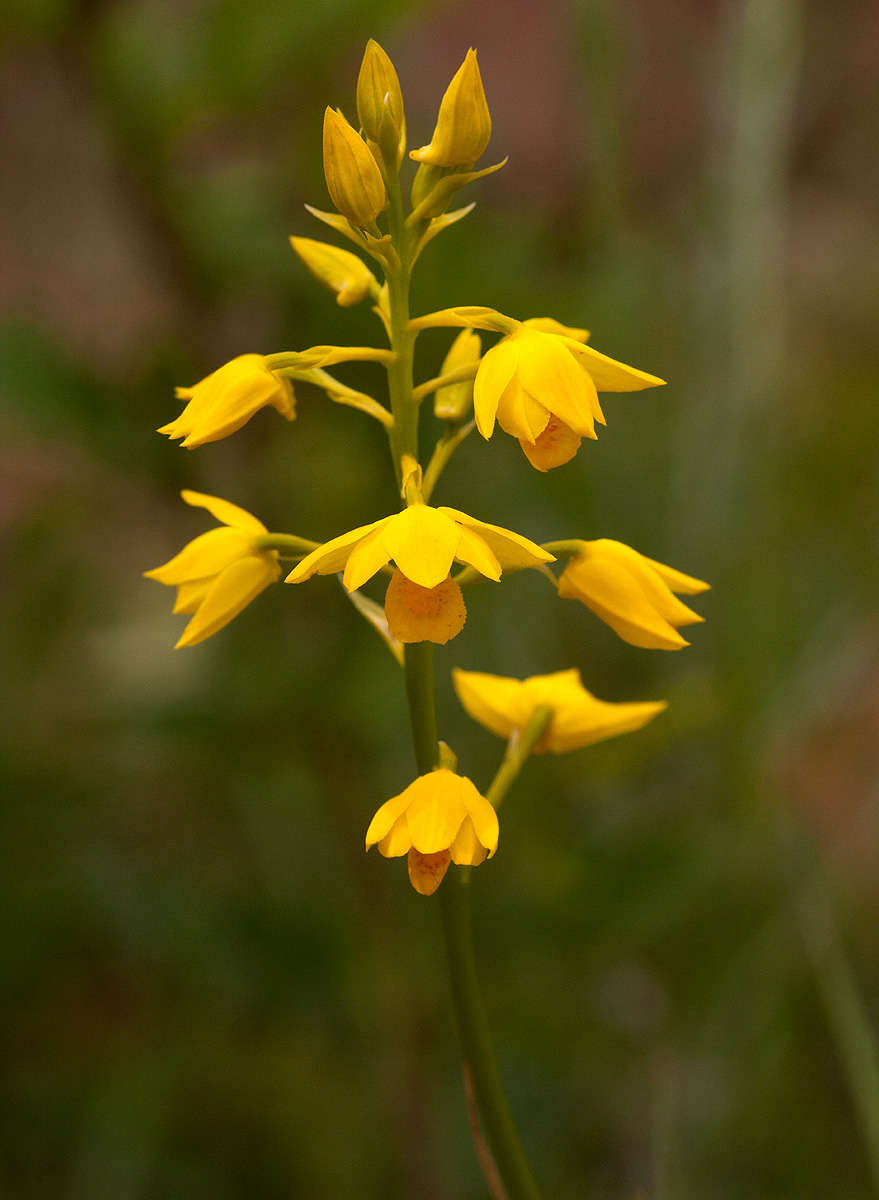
point(285, 541)
point(443, 451)
point(519, 749)
point(418, 664)
point(422, 709)
point(403, 434)
point(479, 1059)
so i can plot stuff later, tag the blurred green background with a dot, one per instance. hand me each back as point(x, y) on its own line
point(209, 990)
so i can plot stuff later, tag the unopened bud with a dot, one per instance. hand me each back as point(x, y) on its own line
point(347, 276)
point(353, 178)
point(454, 401)
point(380, 103)
point(463, 126)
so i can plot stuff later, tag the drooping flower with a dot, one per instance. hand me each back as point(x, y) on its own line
point(463, 125)
point(353, 179)
point(631, 593)
point(226, 399)
point(424, 542)
point(536, 373)
point(343, 273)
point(220, 572)
point(438, 819)
point(504, 705)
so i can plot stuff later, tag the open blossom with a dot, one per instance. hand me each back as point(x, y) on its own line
point(578, 719)
point(631, 593)
point(424, 542)
point(541, 386)
point(438, 819)
point(220, 572)
point(226, 399)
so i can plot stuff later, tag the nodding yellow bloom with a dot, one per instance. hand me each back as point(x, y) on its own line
point(578, 719)
point(353, 179)
point(538, 372)
point(424, 542)
point(222, 402)
point(632, 594)
point(439, 818)
point(220, 572)
point(463, 125)
point(343, 273)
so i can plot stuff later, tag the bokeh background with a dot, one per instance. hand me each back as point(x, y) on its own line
point(209, 990)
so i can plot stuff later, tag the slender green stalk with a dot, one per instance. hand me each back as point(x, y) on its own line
point(479, 1061)
point(443, 451)
point(285, 541)
point(519, 749)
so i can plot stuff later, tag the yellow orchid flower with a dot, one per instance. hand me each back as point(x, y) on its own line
point(578, 719)
point(220, 572)
point(542, 387)
point(631, 593)
point(438, 819)
point(424, 542)
point(463, 124)
point(225, 400)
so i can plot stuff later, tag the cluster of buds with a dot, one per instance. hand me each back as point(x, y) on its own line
point(539, 382)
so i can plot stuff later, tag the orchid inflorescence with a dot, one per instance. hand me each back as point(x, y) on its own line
point(539, 382)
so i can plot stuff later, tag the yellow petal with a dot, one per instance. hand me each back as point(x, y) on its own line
point(557, 445)
point(381, 824)
point(190, 595)
point(495, 701)
point(481, 813)
point(467, 850)
point(593, 720)
point(205, 555)
point(550, 325)
point(608, 374)
point(434, 815)
point(422, 542)
point(677, 580)
point(368, 556)
point(331, 556)
point(521, 414)
point(476, 552)
point(511, 549)
point(231, 591)
point(496, 370)
point(229, 514)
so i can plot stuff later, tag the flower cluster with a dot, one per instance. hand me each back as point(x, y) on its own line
point(538, 382)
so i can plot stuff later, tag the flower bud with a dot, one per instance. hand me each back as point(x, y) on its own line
point(347, 276)
point(380, 102)
point(454, 401)
point(353, 178)
point(463, 126)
